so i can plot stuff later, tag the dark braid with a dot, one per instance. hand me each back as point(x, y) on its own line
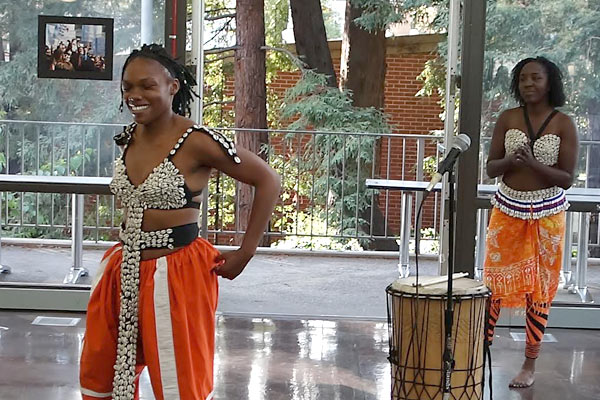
point(182, 99)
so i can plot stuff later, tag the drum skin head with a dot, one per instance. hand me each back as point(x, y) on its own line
point(460, 287)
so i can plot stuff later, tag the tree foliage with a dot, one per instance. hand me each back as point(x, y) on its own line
point(564, 32)
point(340, 163)
point(380, 14)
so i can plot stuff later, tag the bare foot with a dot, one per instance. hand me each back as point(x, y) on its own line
point(526, 377)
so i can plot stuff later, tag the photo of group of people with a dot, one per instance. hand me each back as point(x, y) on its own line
point(75, 48)
point(73, 55)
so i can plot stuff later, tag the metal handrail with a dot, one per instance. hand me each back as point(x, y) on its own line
point(54, 184)
point(78, 186)
point(312, 132)
point(24, 121)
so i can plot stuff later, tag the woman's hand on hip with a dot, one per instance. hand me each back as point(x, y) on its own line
point(230, 264)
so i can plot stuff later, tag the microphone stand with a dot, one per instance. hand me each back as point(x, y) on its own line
point(448, 357)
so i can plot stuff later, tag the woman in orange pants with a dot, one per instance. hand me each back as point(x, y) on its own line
point(155, 297)
point(534, 149)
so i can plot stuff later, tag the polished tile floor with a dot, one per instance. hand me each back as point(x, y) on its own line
point(291, 359)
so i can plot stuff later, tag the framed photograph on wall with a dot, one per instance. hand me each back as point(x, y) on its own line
point(75, 47)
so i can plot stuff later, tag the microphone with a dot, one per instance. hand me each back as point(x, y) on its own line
point(461, 143)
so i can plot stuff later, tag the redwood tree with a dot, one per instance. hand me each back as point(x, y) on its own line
point(363, 72)
point(363, 60)
point(250, 92)
point(311, 39)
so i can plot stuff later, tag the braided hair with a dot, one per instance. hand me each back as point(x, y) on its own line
point(183, 97)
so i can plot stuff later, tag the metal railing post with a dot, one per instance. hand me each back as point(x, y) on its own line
point(566, 274)
point(482, 222)
point(582, 256)
point(4, 269)
point(403, 265)
point(77, 270)
point(419, 195)
point(204, 216)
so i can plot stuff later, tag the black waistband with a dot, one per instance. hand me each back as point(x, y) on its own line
point(184, 234)
point(168, 238)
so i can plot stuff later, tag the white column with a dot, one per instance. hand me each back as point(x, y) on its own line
point(450, 98)
point(146, 34)
point(197, 109)
point(198, 55)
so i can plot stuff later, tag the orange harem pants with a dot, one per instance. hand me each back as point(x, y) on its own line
point(522, 268)
point(177, 305)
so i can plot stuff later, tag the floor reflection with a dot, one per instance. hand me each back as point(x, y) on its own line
point(291, 359)
point(263, 359)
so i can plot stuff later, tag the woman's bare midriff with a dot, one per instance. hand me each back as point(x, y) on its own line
point(162, 219)
point(523, 180)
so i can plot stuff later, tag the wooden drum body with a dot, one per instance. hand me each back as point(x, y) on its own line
point(417, 336)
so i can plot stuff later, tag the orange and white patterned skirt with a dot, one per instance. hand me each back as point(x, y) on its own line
point(524, 255)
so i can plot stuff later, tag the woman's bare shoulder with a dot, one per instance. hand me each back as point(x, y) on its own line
point(566, 124)
point(508, 119)
point(564, 119)
point(511, 114)
point(182, 123)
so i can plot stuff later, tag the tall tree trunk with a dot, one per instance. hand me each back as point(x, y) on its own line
point(363, 61)
point(311, 39)
point(363, 72)
point(250, 93)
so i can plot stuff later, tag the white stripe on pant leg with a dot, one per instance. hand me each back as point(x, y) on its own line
point(164, 331)
point(91, 393)
point(101, 269)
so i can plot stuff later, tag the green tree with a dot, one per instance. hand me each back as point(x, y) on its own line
point(218, 85)
point(338, 163)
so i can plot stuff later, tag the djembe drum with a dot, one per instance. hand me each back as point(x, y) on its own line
point(417, 336)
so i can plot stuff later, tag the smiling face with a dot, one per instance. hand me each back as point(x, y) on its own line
point(148, 89)
point(533, 83)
